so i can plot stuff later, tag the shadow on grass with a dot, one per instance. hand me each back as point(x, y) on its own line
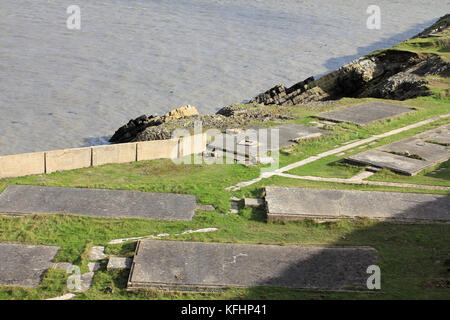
point(403, 254)
point(442, 171)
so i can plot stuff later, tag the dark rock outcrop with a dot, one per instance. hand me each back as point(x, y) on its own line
point(376, 76)
point(388, 74)
point(146, 128)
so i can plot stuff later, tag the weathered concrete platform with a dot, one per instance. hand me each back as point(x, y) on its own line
point(397, 163)
point(250, 143)
point(365, 113)
point(423, 150)
point(300, 203)
point(411, 155)
point(199, 266)
point(17, 199)
point(439, 135)
point(23, 265)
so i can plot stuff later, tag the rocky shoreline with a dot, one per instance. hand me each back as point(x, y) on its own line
point(387, 74)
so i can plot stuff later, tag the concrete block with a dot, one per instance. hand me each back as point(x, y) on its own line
point(365, 113)
point(197, 266)
point(68, 159)
point(97, 253)
point(193, 144)
point(19, 199)
point(390, 161)
point(157, 149)
point(301, 203)
point(119, 263)
point(416, 147)
point(24, 265)
point(18, 165)
point(115, 153)
point(250, 202)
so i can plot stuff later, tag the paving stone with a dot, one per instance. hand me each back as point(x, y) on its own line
point(203, 230)
point(18, 199)
point(249, 202)
point(97, 253)
point(365, 113)
point(206, 207)
point(390, 161)
point(202, 266)
point(94, 266)
point(86, 281)
point(24, 265)
point(66, 296)
point(300, 203)
point(234, 207)
point(119, 263)
point(62, 266)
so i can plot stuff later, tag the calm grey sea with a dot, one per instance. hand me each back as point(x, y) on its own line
point(63, 88)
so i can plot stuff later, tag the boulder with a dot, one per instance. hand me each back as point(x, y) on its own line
point(137, 129)
point(185, 111)
point(400, 86)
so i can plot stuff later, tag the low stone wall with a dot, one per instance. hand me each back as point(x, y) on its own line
point(192, 144)
point(114, 153)
point(19, 165)
point(158, 149)
point(68, 159)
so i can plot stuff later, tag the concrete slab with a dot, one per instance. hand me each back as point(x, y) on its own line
point(66, 296)
point(365, 113)
point(119, 263)
point(86, 280)
point(199, 266)
point(62, 266)
point(251, 143)
point(97, 253)
point(390, 161)
point(94, 266)
point(439, 135)
point(300, 203)
point(411, 155)
point(417, 147)
point(17, 199)
point(251, 202)
point(24, 265)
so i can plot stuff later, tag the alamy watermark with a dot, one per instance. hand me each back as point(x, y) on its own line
point(374, 280)
point(248, 146)
point(73, 22)
point(74, 280)
point(373, 22)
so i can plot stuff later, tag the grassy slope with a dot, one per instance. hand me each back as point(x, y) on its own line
point(411, 256)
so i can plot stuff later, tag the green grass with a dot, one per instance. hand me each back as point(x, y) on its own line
point(335, 167)
point(438, 175)
point(439, 46)
point(256, 190)
point(207, 182)
point(425, 108)
point(411, 257)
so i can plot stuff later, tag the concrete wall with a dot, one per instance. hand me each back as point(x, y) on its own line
point(192, 144)
point(59, 160)
point(68, 159)
point(157, 149)
point(115, 153)
point(18, 165)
